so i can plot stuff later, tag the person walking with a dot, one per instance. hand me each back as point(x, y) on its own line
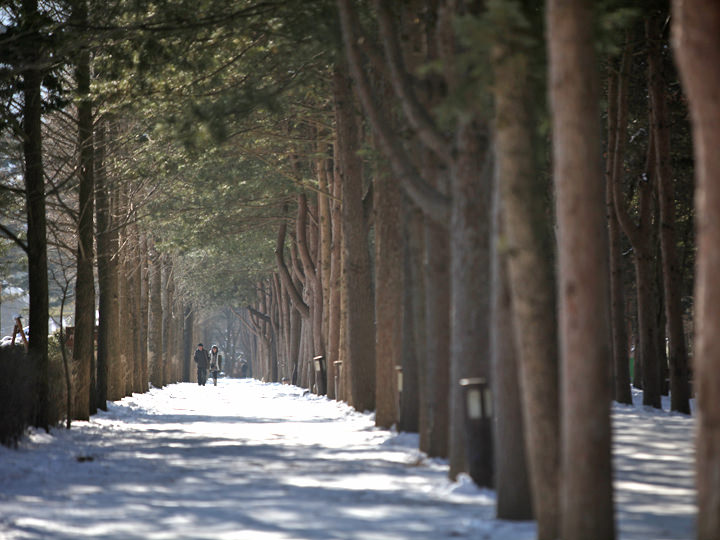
point(215, 363)
point(202, 361)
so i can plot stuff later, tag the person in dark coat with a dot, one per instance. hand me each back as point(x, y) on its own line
point(202, 361)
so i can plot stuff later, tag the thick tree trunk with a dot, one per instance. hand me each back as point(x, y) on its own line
point(36, 226)
point(583, 288)
point(696, 36)
point(530, 261)
point(356, 275)
point(84, 336)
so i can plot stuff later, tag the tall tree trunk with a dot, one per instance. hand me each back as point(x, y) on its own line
point(530, 261)
point(671, 271)
point(437, 336)
point(106, 238)
point(324, 211)
point(36, 222)
point(388, 296)
point(357, 278)
point(155, 344)
point(84, 337)
point(471, 189)
point(512, 478)
point(335, 282)
point(642, 238)
point(617, 132)
point(144, 307)
point(696, 39)
point(583, 288)
point(187, 350)
point(413, 417)
point(167, 338)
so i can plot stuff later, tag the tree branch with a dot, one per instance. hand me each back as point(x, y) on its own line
point(432, 202)
point(287, 281)
point(12, 236)
point(416, 114)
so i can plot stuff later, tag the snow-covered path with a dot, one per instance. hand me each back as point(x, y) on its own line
point(246, 460)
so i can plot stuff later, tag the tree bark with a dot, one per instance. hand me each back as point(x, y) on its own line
point(167, 338)
point(641, 237)
point(471, 189)
point(155, 356)
point(617, 133)
point(671, 271)
point(696, 40)
point(335, 280)
point(583, 288)
point(388, 297)
point(357, 278)
point(412, 413)
point(512, 479)
point(36, 222)
point(106, 239)
point(84, 336)
point(530, 261)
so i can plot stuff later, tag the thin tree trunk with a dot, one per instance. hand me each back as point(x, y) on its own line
point(144, 306)
point(155, 356)
point(617, 133)
point(413, 417)
point(583, 288)
point(167, 301)
point(335, 282)
point(696, 39)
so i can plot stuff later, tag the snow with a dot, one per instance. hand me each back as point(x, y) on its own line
point(255, 461)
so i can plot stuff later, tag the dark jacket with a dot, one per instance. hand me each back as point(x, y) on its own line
point(201, 359)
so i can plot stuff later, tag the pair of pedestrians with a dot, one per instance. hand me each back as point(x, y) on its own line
point(213, 361)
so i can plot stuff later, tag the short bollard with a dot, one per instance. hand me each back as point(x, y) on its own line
point(319, 363)
point(478, 430)
point(399, 372)
point(338, 378)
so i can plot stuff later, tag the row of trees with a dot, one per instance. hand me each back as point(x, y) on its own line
point(383, 186)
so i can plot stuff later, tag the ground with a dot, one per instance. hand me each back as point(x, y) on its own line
point(255, 461)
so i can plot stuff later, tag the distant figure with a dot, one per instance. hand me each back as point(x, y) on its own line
point(215, 363)
point(202, 361)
